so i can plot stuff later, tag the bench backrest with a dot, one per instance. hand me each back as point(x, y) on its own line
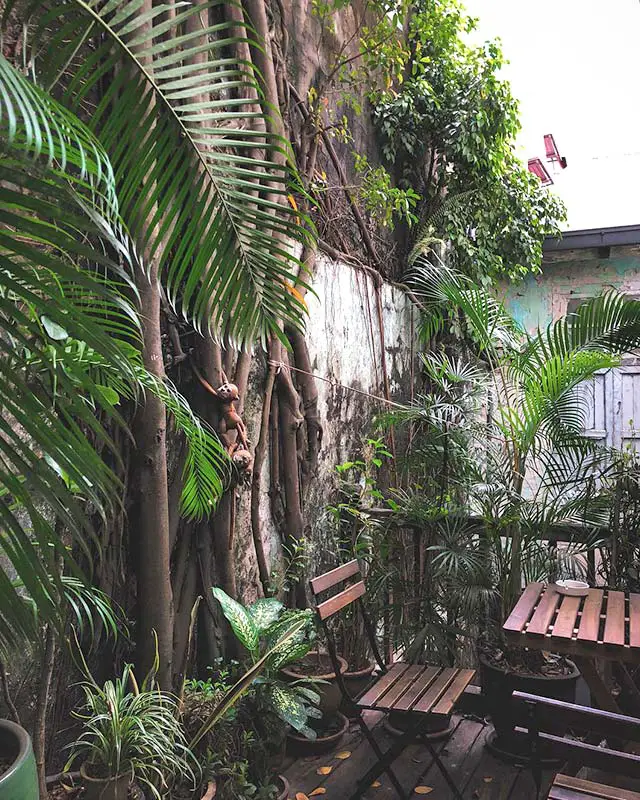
point(543, 718)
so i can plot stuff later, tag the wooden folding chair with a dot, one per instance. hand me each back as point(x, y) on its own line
point(419, 689)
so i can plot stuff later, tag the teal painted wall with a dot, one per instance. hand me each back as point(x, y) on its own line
point(540, 299)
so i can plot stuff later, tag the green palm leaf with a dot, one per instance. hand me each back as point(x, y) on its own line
point(69, 346)
point(202, 186)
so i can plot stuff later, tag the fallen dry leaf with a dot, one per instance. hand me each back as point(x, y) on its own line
point(375, 784)
point(323, 770)
point(301, 796)
point(344, 754)
point(319, 790)
point(423, 789)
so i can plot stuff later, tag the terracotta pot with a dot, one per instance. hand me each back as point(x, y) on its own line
point(116, 788)
point(330, 695)
point(20, 780)
point(301, 746)
point(498, 684)
point(283, 785)
point(356, 683)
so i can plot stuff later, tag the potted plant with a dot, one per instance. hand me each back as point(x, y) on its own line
point(219, 715)
point(534, 461)
point(259, 628)
point(18, 776)
point(129, 733)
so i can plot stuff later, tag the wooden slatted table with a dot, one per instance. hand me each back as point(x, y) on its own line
point(604, 624)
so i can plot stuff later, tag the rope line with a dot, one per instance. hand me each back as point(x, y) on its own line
point(280, 365)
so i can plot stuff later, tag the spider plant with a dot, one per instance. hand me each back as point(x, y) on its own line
point(132, 731)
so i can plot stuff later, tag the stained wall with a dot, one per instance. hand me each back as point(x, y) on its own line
point(572, 274)
point(349, 325)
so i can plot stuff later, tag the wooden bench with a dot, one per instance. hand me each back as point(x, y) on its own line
point(565, 787)
point(540, 718)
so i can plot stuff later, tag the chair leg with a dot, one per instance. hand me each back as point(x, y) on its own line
point(383, 764)
point(445, 772)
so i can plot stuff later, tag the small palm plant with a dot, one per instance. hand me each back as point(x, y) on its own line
point(130, 733)
point(533, 465)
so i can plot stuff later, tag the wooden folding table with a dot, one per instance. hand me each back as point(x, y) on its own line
point(605, 624)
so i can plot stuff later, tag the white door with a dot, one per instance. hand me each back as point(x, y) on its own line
point(612, 406)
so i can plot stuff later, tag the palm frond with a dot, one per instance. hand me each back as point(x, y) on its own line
point(202, 183)
point(609, 323)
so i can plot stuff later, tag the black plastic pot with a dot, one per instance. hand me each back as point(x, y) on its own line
point(329, 691)
point(431, 727)
point(116, 788)
point(498, 684)
point(283, 787)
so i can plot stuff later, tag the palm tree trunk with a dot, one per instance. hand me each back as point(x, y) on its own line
point(152, 531)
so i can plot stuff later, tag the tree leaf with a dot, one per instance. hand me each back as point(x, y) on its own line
point(53, 330)
point(241, 622)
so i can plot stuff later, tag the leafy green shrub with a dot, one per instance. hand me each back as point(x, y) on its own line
point(258, 627)
point(242, 751)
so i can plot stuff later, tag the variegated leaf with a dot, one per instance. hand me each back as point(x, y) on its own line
point(265, 612)
point(240, 620)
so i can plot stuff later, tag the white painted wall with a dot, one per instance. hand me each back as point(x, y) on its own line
point(343, 334)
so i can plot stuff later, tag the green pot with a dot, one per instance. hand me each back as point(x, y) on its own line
point(20, 781)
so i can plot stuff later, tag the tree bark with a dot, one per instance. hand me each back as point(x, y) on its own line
point(152, 534)
point(42, 702)
point(154, 595)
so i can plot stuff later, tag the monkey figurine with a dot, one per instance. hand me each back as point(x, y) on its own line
point(243, 462)
point(227, 394)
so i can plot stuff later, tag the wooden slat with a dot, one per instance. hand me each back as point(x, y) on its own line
point(590, 755)
point(566, 620)
point(582, 718)
point(341, 600)
point(634, 620)
point(543, 614)
point(435, 691)
point(407, 700)
point(404, 683)
point(448, 700)
point(591, 789)
point(559, 793)
point(334, 576)
point(614, 622)
point(590, 621)
point(383, 684)
point(523, 608)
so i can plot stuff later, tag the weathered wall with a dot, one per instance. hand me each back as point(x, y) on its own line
point(572, 274)
point(344, 340)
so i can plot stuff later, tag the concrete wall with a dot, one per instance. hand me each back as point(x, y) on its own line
point(571, 274)
point(343, 334)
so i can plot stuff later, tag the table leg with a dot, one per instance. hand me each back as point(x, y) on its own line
point(596, 685)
